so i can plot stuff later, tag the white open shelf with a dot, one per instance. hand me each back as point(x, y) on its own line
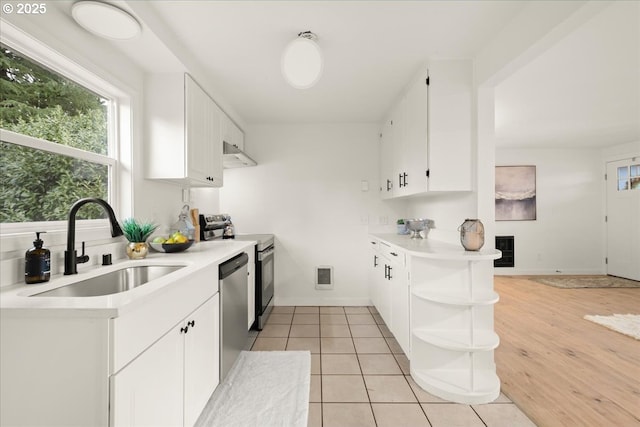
point(459, 385)
point(478, 297)
point(459, 339)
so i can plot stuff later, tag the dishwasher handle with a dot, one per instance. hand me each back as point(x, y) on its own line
point(227, 268)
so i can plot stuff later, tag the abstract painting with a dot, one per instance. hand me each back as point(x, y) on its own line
point(515, 193)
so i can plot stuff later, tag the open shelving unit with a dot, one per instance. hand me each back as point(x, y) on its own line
point(452, 336)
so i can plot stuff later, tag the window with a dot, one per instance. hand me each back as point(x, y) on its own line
point(629, 177)
point(55, 142)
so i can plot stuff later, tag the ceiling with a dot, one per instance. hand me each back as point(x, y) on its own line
point(371, 49)
point(582, 91)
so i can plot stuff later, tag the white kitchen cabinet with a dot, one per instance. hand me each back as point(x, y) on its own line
point(426, 139)
point(449, 318)
point(201, 358)
point(171, 382)
point(134, 367)
point(231, 133)
point(150, 390)
point(184, 136)
point(452, 329)
point(390, 290)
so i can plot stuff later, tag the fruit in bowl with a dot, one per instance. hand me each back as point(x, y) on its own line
point(176, 242)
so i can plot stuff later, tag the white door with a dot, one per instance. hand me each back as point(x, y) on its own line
point(623, 218)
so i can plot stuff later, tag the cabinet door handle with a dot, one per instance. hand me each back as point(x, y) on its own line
point(184, 330)
point(386, 271)
point(400, 180)
point(389, 185)
point(404, 179)
point(375, 260)
point(191, 323)
point(389, 275)
point(394, 254)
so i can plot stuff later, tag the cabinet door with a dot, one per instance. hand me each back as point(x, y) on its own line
point(450, 125)
point(414, 139)
point(387, 159)
point(148, 392)
point(203, 145)
point(400, 307)
point(201, 358)
point(375, 276)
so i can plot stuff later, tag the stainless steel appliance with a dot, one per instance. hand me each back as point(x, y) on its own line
point(233, 310)
point(212, 228)
point(265, 252)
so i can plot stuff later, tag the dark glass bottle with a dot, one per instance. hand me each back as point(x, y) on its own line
point(37, 262)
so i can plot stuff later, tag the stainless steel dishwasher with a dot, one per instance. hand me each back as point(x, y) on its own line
point(233, 310)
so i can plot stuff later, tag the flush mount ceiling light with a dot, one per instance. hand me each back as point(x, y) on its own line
point(302, 61)
point(105, 20)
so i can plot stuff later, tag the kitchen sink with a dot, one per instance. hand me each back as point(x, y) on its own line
point(113, 282)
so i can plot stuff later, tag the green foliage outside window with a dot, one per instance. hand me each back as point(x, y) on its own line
point(36, 185)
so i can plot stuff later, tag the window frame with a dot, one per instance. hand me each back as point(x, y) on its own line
point(119, 104)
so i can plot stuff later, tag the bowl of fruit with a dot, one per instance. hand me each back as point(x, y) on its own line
point(176, 242)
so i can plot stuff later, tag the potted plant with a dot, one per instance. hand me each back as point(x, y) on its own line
point(137, 234)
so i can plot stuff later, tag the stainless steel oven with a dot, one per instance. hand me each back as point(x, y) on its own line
point(264, 281)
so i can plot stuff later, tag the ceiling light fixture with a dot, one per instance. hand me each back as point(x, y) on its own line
point(302, 61)
point(105, 20)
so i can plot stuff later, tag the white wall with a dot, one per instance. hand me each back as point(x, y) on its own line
point(307, 191)
point(567, 236)
point(448, 210)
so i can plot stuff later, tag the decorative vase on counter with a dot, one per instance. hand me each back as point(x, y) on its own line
point(472, 234)
point(137, 250)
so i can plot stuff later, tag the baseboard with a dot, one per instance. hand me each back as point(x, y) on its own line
point(316, 301)
point(506, 271)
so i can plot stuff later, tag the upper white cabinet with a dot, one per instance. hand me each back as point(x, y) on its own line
point(184, 135)
point(426, 138)
point(231, 133)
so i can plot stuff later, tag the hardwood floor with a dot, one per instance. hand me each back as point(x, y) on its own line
point(560, 369)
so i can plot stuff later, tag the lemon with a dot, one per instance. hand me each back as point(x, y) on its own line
point(159, 239)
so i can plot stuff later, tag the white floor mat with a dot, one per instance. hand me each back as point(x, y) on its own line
point(264, 388)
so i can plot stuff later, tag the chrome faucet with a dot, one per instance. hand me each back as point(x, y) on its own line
point(71, 258)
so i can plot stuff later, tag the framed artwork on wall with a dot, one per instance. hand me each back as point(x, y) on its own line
point(515, 193)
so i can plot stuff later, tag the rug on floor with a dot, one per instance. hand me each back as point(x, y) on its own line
point(569, 282)
point(627, 324)
point(263, 388)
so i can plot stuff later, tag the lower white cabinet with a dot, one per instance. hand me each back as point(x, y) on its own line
point(138, 368)
point(437, 299)
point(149, 390)
point(171, 382)
point(390, 290)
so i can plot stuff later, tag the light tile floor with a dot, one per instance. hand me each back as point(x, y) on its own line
point(360, 376)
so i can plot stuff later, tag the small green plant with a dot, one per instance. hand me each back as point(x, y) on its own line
point(137, 232)
point(400, 221)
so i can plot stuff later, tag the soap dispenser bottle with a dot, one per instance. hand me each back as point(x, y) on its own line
point(37, 265)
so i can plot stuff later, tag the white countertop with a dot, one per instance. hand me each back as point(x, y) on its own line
point(434, 249)
point(15, 300)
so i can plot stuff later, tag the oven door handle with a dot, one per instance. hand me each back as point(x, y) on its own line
point(262, 256)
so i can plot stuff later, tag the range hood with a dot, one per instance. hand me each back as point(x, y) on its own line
point(233, 157)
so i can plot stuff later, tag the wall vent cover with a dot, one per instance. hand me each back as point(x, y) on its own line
point(324, 277)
